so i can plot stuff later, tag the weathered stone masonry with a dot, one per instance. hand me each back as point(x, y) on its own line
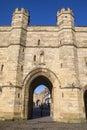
point(55, 56)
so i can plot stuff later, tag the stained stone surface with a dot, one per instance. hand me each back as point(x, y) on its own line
point(54, 56)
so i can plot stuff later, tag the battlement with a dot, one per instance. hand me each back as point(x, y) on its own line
point(20, 18)
point(22, 11)
point(65, 11)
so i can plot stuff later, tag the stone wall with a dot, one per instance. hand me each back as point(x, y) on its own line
point(61, 49)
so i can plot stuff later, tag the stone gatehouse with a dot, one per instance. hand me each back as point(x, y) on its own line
point(55, 56)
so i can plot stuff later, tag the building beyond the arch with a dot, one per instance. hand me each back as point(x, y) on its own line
point(55, 56)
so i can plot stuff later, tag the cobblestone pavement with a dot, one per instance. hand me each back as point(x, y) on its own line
point(44, 123)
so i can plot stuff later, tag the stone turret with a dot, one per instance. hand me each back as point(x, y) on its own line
point(20, 18)
point(17, 42)
point(68, 50)
point(20, 22)
point(65, 18)
point(65, 22)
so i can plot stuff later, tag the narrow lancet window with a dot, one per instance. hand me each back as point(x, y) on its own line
point(38, 42)
point(2, 67)
point(41, 60)
point(34, 58)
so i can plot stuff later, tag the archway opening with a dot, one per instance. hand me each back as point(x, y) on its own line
point(41, 102)
point(41, 106)
point(85, 102)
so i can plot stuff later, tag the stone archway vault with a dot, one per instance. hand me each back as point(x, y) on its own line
point(37, 76)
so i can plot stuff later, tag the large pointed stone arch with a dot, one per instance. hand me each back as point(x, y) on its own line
point(50, 79)
point(85, 101)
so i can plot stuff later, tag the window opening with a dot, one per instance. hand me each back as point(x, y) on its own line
point(18, 95)
point(42, 57)
point(23, 49)
point(34, 58)
point(38, 42)
point(2, 67)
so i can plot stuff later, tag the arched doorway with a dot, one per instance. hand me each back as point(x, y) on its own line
point(36, 82)
point(85, 102)
point(35, 78)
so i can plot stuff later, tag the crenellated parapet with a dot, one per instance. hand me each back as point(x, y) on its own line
point(65, 11)
point(20, 18)
point(21, 11)
point(65, 17)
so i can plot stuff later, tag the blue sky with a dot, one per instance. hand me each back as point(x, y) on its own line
point(39, 89)
point(43, 12)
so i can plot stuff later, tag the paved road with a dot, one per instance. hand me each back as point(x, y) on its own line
point(37, 112)
point(44, 123)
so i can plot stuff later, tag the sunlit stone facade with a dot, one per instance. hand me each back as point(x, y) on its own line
point(55, 56)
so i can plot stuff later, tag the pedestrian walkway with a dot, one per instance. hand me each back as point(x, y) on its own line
point(47, 123)
point(43, 123)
